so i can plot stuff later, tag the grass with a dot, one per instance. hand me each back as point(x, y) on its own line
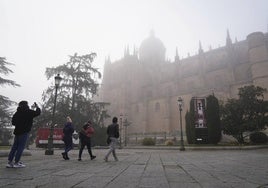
point(4, 147)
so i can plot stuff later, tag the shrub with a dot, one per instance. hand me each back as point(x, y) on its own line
point(169, 143)
point(190, 127)
point(213, 120)
point(99, 137)
point(258, 138)
point(148, 142)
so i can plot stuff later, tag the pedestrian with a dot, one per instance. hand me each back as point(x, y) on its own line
point(23, 122)
point(85, 140)
point(113, 135)
point(68, 131)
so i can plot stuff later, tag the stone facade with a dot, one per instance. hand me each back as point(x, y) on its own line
point(144, 87)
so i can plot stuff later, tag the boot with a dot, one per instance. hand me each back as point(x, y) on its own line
point(91, 156)
point(63, 155)
point(67, 158)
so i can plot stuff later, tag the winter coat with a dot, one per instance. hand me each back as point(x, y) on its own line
point(113, 130)
point(68, 132)
point(23, 119)
point(86, 133)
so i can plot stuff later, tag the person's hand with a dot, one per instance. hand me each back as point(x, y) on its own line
point(35, 105)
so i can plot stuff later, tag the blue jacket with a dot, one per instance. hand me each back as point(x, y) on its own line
point(68, 130)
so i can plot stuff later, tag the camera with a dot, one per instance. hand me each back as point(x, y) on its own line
point(34, 105)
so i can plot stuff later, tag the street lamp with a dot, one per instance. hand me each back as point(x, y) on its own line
point(120, 128)
point(180, 108)
point(126, 123)
point(50, 150)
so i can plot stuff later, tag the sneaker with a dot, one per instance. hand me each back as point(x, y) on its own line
point(93, 157)
point(105, 159)
point(19, 165)
point(9, 165)
point(79, 159)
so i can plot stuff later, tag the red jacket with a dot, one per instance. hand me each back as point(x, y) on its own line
point(89, 131)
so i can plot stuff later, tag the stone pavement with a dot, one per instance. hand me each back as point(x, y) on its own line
point(141, 168)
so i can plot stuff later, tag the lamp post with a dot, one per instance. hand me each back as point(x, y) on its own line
point(50, 150)
point(120, 128)
point(180, 109)
point(126, 123)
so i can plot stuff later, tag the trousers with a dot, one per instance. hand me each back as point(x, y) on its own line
point(18, 147)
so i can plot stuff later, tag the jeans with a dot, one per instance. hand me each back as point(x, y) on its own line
point(18, 147)
point(68, 144)
point(112, 148)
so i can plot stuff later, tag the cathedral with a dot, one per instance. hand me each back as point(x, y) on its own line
point(143, 87)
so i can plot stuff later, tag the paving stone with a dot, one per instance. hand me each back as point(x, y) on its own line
point(141, 168)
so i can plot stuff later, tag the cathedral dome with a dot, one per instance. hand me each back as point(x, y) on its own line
point(152, 50)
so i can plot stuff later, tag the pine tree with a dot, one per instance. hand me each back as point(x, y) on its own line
point(5, 102)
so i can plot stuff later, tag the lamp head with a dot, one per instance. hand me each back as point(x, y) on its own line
point(180, 102)
point(57, 79)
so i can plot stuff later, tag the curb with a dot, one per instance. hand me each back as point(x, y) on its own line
point(4, 153)
point(197, 147)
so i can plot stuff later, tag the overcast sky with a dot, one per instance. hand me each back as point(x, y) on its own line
point(35, 34)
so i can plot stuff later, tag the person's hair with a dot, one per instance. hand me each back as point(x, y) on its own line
point(114, 119)
point(85, 126)
point(23, 105)
point(69, 119)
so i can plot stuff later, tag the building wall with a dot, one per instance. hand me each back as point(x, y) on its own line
point(146, 93)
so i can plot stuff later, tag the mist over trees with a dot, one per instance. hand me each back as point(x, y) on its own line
point(246, 114)
point(5, 102)
point(240, 118)
point(75, 93)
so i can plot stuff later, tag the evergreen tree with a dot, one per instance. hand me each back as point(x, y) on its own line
point(213, 120)
point(190, 125)
point(248, 113)
point(5, 102)
point(76, 90)
point(75, 94)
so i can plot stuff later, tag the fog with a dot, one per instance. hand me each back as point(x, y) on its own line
point(39, 34)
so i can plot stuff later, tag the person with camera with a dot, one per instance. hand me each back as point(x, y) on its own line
point(23, 122)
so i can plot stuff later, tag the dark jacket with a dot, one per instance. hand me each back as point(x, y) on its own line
point(68, 131)
point(23, 119)
point(113, 130)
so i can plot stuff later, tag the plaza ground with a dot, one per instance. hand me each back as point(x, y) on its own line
point(142, 168)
